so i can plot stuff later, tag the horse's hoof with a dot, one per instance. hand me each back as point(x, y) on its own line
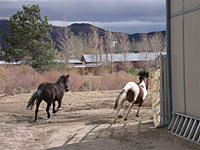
point(136, 115)
point(120, 116)
point(125, 119)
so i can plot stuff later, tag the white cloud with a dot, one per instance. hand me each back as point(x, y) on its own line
point(59, 23)
point(125, 26)
point(85, 0)
point(108, 14)
point(102, 24)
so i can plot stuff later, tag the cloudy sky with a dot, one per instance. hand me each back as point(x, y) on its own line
point(130, 16)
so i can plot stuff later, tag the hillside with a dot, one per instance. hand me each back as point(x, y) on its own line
point(5, 26)
point(81, 33)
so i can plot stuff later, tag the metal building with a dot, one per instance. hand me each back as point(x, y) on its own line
point(183, 48)
point(185, 52)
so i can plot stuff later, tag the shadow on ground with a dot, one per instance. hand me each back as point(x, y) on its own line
point(127, 136)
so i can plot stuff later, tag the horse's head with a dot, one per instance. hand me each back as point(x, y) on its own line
point(64, 81)
point(67, 83)
point(143, 76)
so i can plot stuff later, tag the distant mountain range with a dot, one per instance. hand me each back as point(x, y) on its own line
point(82, 32)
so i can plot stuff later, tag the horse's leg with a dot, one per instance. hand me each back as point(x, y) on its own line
point(59, 104)
point(129, 110)
point(54, 105)
point(47, 109)
point(37, 107)
point(137, 114)
point(125, 109)
point(118, 109)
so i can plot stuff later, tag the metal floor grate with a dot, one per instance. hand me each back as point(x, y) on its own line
point(185, 127)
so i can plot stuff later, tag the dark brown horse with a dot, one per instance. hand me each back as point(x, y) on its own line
point(134, 93)
point(50, 93)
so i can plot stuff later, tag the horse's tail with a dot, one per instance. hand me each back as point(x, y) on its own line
point(120, 97)
point(31, 101)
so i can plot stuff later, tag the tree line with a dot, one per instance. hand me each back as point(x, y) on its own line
point(30, 41)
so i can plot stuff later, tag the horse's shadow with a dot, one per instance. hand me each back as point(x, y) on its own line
point(100, 122)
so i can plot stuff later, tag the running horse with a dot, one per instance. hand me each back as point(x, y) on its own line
point(134, 93)
point(50, 93)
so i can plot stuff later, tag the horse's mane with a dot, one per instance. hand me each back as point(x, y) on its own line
point(142, 75)
point(60, 79)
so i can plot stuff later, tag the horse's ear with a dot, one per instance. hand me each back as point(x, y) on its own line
point(67, 76)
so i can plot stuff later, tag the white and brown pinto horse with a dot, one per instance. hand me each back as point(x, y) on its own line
point(134, 93)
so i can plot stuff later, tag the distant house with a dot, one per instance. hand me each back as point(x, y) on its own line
point(75, 62)
point(89, 62)
point(2, 63)
point(134, 58)
point(72, 61)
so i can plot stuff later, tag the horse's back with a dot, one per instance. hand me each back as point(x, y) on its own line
point(50, 91)
point(45, 87)
point(133, 86)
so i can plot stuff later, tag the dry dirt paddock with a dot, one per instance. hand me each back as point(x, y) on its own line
point(85, 122)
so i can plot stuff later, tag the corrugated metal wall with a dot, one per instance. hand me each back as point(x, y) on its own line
point(185, 53)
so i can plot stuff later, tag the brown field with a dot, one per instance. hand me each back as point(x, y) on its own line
point(85, 122)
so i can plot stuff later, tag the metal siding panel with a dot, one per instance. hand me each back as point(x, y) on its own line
point(192, 63)
point(191, 3)
point(175, 6)
point(177, 64)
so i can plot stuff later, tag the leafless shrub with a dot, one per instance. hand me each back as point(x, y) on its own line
point(150, 44)
point(19, 79)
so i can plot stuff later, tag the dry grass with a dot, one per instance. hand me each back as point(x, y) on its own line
point(20, 79)
point(17, 79)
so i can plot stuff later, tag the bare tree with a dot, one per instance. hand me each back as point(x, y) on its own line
point(66, 45)
point(93, 42)
point(144, 46)
point(101, 48)
point(150, 46)
point(71, 45)
point(157, 42)
point(125, 48)
point(110, 49)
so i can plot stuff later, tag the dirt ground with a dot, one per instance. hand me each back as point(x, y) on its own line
point(85, 122)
